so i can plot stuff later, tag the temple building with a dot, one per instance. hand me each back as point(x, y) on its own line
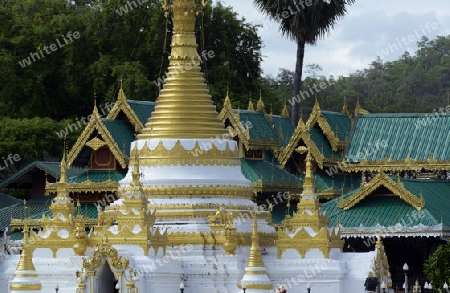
point(184, 199)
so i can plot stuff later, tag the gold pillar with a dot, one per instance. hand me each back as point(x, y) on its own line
point(120, 281)
point(91, 277)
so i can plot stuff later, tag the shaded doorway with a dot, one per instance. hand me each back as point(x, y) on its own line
point(106, 282)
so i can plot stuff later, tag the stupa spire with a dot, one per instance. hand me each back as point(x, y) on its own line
point(184, 108)
point(255, 258)
point(309, 186)
point(255, 276)
point(25, 277)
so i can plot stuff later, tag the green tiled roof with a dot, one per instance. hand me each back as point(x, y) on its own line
point(261, 129)
point(98, 176)
point(35, 206)
point(279, 212)
point(412, 135)
point(6, 201)
point(51, 168)
point(88, 210)
point(142, 109)
point(122, 133)
point(339, 123)
point(390, 210)
point(269, 173)
point(337, 181)
point(284, 127)
point(322, 143)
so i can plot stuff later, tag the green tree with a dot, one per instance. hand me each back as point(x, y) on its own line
point(304, 24)
point(117, 41)
point(437, 267)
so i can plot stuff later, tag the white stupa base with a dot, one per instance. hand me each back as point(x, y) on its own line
point(206, 269)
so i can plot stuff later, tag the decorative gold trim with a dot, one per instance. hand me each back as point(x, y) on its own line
point(257, 286)
point(243, 134)
point(178, 155)
point(317, 118)
point(95, 143)
point(86, 186)
point(381, 179)
point(122, 105)
point(96, 124)
point(387, 164)
point(212, 191)
point(25, 287)
point(300, 133)
point(110, 254)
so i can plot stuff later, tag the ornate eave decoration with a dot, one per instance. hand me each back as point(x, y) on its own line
point(106, 251)
point(86, 186)
point(260, 186)
point(381, 179)
point(317, 118)
point(122, 105)
point(300, 133)
point(387, 164)
point(96, 124)
point(238, 129)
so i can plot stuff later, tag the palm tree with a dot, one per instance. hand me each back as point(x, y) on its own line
point(303, 21)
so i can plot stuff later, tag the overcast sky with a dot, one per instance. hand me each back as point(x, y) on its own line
point(370, 28)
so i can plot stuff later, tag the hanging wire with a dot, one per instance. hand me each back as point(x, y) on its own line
point(202, 40)
point(249, 74)
point(164, 50)
point(141, 30)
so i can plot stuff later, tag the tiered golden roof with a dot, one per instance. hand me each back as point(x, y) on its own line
point(308, 227)
point(184, 108)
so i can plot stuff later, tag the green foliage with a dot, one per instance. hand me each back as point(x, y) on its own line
point(114, 44)
point(412, 84)
point(33, 139)
point(19, 193)
point(437, 267)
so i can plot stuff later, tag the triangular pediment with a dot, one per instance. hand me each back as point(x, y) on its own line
point(123, 107)
point(300, 136)
point(88, 138)
point(379, 185)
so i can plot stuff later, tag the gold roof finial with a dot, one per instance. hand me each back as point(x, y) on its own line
point(63, 166)
point(184, 109)
point(250, 104)
point(227, 102)
point(345, 108)
point(95, 99)
point(285, 111)
point(121, 95)
point(260, 104)
point(359, 109)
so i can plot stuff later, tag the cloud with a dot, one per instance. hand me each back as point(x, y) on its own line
point(369, 27)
